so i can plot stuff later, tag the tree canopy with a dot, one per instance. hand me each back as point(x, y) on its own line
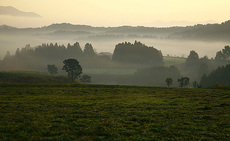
point(73, 68)
point(52, 69)
point(137, 53)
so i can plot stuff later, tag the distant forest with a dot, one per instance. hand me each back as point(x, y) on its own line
point(208, 32)
point(125, 54)
point(147, 62)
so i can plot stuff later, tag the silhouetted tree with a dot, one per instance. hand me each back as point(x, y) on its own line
point(7, 55)
point(224, 54)
point(73, 68)
point(220, 56)
point(85, 78)
point(195, 84)
point(52, 69)
point(137, 53)
point(219, 76)
point(88, 50)
point(169, 81)
point(226, 51)
point(193, 59)
point(74, 51)
point(183, 81)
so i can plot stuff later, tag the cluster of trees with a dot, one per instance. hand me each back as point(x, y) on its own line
point(208, 71)
point(137, 53)
point(183, 82)
point(152, 76)
point(73, 68)
point(219, 76)
point(125, 55)
point(36, 58)
point(224, 54)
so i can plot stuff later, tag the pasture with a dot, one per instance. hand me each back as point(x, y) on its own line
point(105, 112)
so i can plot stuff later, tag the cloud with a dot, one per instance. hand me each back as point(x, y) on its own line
point(11, 11)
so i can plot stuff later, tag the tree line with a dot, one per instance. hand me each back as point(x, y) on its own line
point(148, 61)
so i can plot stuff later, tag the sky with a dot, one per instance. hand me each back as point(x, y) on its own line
point(153, 13)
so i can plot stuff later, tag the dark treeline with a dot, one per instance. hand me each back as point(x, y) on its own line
point(207, 71)
point(147, 61)
point(219, 77)
point(37, 58)
point(137, 53)
point(218, 32)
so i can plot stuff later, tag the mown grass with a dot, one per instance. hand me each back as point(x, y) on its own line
point(103, 112)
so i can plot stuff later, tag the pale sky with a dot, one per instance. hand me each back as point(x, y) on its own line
point(118, 12)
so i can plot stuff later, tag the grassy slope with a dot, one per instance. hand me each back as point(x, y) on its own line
point(100, 112)
point(31, 77)
point(168, 61)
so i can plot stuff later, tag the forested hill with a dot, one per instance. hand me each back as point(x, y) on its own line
point(220, 32)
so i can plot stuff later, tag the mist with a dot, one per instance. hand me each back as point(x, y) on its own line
point(116, 55)
point(170, 47)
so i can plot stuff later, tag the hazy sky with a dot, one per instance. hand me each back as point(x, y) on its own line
point(118, 12)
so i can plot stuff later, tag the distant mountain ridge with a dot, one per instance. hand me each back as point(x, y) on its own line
point(212, 32)
point(9, 10)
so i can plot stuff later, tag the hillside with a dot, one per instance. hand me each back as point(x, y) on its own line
point(31, 77)
point(217, 32)
point(103, 112)
point(9, 10)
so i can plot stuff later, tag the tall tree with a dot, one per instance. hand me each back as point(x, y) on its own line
point(88, 50)
point(73, 68)
point(193, 59)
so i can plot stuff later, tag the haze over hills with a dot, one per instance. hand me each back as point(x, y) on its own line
point(217, 32)
point(9, 10)
point(205, 39)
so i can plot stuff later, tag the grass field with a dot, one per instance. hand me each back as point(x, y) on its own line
point(103, 112)
point(32, 77)
point(168, 61)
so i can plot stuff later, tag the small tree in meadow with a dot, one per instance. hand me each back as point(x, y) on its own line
point(183, 81)
point(73, 68)
point(52, 69)
point(169, 81)
point(196, 85)
point(85, 79)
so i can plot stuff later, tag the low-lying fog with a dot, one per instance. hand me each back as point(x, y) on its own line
point(168, 47)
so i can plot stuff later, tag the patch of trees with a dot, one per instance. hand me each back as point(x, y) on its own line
point(52, 69)
point(153, 76)
point(36, 58)
point(223, 55)
point(220, 76)
point(195, 67)
point(137, 53)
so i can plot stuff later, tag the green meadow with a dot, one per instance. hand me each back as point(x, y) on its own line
point(105, 112)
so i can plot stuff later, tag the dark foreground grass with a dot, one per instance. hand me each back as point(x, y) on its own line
point(32, 77)
point(97, 112)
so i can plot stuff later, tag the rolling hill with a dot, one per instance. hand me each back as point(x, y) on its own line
point(217, 32)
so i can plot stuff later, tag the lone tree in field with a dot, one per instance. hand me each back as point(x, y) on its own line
point(169, 81)
point(183, 81)
point(52, 69)
point(85, 79)
point(73, 68)
point(195, 84)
